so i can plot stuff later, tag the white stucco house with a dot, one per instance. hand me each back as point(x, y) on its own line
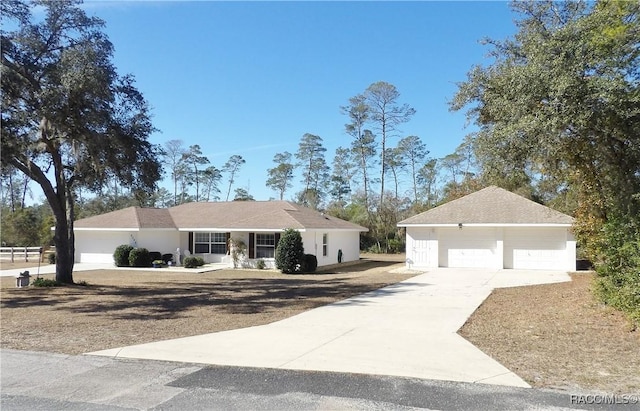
point(204, 228)
point(491, 228)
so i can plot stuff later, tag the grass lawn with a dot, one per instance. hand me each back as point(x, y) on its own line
point(554, 336)
point(119, 308)
point(558, 336)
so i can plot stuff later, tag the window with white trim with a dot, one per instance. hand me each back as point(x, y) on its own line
point(210, 243)
point(265, 245)
point(325, 244)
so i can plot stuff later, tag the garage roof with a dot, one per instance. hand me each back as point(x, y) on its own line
point(491, 205)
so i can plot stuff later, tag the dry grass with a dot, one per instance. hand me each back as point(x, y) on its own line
point(121, 308)
point(554, 336)
point(558, 336)
point(8, 265)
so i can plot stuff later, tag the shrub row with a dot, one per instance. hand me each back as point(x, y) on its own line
point(121, 255)
point(128, 256)
point(193, 262)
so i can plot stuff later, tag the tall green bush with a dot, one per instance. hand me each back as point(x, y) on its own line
point(290, 252)
point(618, 281)
point(121, 255)
point(140, 257)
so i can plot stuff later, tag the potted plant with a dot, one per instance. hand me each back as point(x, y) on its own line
point(157, 263)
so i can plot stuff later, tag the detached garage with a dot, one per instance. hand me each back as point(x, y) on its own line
point(491, 228)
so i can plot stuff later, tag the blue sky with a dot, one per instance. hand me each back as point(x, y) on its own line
point(251, 78)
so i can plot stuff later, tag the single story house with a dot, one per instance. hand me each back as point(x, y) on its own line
point(491, 228)
point(204, 228)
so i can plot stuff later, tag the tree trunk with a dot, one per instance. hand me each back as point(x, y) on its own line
point(175, 189)
point(65, 250)
point(64, 238)
point(382, 155)
point(365, 179)
point(12, 193)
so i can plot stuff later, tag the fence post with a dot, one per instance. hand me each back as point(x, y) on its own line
point(26, 255)
point(12, 254)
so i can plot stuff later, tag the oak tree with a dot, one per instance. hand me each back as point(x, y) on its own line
point(68, 118)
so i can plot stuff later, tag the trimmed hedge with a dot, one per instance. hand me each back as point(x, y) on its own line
point(193, 262)
point(309, 263)
point(121, 255)
point(140, 257)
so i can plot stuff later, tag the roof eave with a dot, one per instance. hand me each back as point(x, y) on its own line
point(485, 225)
point(106, 229)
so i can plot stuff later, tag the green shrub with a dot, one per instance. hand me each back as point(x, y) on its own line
point(290, 252)
point(395, 245)
point(44, 282)
point(618, 280)
point(51, 258)
point(260, 264)
point(193, 262)
point(309, 263)
point(140, 257)
point(155, 255)
point(121, 255)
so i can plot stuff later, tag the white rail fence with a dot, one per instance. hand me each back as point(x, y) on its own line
point(25, 254)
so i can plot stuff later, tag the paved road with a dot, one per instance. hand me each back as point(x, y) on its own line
point(408, 329)
point(44, 381)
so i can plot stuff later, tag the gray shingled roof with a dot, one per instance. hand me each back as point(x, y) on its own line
point(491, 205)
point(235, 215)
point(130, 218)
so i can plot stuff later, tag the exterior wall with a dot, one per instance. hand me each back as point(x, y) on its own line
point(571, 258)
point(164, 241)
point(346, 241)
point(98, 246)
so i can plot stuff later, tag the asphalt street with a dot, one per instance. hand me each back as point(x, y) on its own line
point(46, 381)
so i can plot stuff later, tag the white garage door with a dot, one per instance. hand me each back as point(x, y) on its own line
point(535, 248)
point(98, 246)
point(467, 247)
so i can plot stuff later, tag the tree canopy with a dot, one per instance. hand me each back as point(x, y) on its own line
point(559, 108)
point(69, 120)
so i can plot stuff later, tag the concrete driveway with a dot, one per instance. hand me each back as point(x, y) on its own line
point(408, 329)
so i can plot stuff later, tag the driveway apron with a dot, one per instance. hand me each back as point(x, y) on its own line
point(407, 329)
